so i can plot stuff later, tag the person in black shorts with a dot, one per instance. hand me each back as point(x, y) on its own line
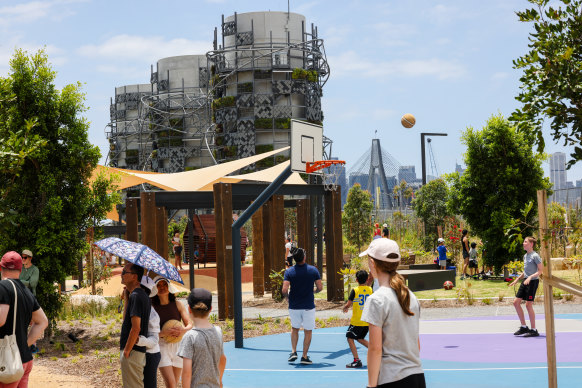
point(532, 268)
point(358, 329)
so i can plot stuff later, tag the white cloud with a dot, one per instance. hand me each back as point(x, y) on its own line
point(349, 63)
point(35, 10)
point(146, 49)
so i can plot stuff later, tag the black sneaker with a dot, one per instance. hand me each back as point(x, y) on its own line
point(355, 364)
point(532, 333)
point(306, 360)
point(292, 357)
point(522, 330)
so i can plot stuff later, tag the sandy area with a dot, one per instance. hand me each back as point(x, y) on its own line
point(41, 376)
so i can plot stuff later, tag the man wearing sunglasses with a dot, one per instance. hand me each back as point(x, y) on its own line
point(29, 275)
point(135, 323)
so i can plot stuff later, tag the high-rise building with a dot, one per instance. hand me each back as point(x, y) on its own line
point(558, 176)
point(407, 173)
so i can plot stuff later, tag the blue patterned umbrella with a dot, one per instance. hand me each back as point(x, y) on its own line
point(141, 255)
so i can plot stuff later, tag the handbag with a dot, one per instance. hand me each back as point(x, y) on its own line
point(11, 369)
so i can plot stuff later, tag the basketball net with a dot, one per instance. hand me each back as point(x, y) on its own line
point(329, 170)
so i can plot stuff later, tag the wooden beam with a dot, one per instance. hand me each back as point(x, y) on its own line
point(267, 242)
point(548, 292)
point(220, 275)
point(227, 231)
point(278, 234)
point(333, 246)
point(131, 219)
point(563, 285)
point(148, 219)
point(302, 222)
point(162, 232)
point(258, 254)
point(337, 241)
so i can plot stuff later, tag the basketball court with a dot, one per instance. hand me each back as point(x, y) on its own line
point(464, 352)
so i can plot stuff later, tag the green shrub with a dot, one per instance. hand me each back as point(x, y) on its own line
point(283, 123)
point(262, 148)
point(263, 123)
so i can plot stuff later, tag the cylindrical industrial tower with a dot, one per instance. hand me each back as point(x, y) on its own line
point(171, 123)
point(124, 131)
point(267, 68)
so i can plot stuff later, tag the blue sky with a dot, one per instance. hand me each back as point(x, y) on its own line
point(447, 62)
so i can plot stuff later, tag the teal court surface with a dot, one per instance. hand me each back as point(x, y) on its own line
point(464, 352)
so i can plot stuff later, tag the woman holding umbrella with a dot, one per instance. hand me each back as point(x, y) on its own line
point(170, 310)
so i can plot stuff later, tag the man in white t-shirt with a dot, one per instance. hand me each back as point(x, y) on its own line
point(288, 255)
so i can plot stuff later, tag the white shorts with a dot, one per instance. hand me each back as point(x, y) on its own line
point(302, 318)
point(169, 353)
point(443, 263)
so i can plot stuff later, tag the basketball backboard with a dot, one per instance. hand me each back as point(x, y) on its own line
point(306, 144)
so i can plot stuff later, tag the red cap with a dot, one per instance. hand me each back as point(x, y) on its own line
point(11, 260)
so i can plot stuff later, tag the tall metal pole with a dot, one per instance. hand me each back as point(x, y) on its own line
point(423, 157)
point(236, 273)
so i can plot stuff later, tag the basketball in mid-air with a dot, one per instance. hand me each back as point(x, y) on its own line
point(448, 285)
point(172, 323)
point(408, 120)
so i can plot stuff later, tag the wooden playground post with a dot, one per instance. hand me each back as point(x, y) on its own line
point(548, 292)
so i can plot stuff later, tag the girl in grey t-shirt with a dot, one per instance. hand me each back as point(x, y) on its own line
point(393, 315)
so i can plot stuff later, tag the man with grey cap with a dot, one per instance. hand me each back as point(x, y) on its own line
point(29, 275)
point(19, 309)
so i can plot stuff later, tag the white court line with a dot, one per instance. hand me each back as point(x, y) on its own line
point(426, 370)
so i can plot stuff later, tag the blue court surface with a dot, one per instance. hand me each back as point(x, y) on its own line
point(469, 352)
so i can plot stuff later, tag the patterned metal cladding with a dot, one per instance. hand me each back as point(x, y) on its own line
point(282, 111)
point(203, 75)
point(243, 126)
point(244, 38)
point(299, 86)
point(264, 111)
point(163, 85)
point(282, 87)
point(264, 99)
point(154, 78)
point(229, 28)
point(246, 100)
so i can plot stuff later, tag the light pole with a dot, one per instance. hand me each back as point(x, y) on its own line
point(422, 136)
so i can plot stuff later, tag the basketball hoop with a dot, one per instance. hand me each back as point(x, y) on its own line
point(330, 175)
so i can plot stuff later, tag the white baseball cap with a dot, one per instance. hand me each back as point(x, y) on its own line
point(380, 248)
point(441, 240)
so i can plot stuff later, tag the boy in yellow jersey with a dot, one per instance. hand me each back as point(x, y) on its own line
point(358, 329)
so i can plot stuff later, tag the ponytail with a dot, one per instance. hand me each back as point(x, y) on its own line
point(397, 283)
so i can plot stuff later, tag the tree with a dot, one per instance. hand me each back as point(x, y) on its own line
point(430, 205)
point(47, 196)
point(503, 175)
point(356, 215)
point(552, 74)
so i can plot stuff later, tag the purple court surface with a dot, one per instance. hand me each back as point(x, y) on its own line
point(465, 352)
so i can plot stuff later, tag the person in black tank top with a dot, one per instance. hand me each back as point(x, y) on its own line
point(465, 250)
point(170, 309)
